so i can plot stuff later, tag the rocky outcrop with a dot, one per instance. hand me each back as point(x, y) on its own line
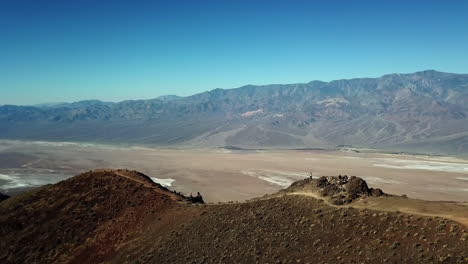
point(344, 189)
point(196, 199)
point(3, 197)
point(339, 189)
point(356, 186)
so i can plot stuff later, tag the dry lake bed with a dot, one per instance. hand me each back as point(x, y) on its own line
point(224, 175)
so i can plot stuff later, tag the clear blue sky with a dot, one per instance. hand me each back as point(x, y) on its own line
point(69, 50)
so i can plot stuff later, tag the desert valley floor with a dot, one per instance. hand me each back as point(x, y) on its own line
point(223, 175)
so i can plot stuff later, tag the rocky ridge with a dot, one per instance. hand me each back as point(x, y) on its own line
point(121, 216)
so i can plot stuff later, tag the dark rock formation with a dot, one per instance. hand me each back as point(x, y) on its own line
point(356, 186)
point(196, 199)
point(340, 189)
point(3, 197)
point(376, 192)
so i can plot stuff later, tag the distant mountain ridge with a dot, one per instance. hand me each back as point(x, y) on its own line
point(422, 112)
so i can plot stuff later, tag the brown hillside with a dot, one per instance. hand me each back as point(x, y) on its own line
point(108, 216)
point(81, 220)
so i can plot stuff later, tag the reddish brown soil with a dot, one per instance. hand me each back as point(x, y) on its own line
point(300, 229)
point(122, 217)
point(80, 220)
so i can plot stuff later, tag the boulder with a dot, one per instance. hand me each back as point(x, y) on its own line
point(3, 197)
point(377, 192)
point(322, 182)
point(356, 187)
point(196, 199)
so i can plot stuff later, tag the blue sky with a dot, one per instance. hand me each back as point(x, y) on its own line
point(66, 50)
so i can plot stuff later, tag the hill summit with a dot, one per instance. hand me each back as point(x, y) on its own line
point(121, 216)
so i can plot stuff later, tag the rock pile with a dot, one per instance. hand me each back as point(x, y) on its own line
point(339, 189)
point(344, 189)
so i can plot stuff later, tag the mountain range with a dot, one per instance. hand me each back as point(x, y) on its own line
point(424, 112)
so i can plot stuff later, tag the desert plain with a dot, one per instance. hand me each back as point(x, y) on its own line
point(223, 175)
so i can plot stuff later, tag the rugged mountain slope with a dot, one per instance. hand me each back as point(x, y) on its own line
point(122, 217)
point(419, 112)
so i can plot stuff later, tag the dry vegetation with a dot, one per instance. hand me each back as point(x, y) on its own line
point(122, 217)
